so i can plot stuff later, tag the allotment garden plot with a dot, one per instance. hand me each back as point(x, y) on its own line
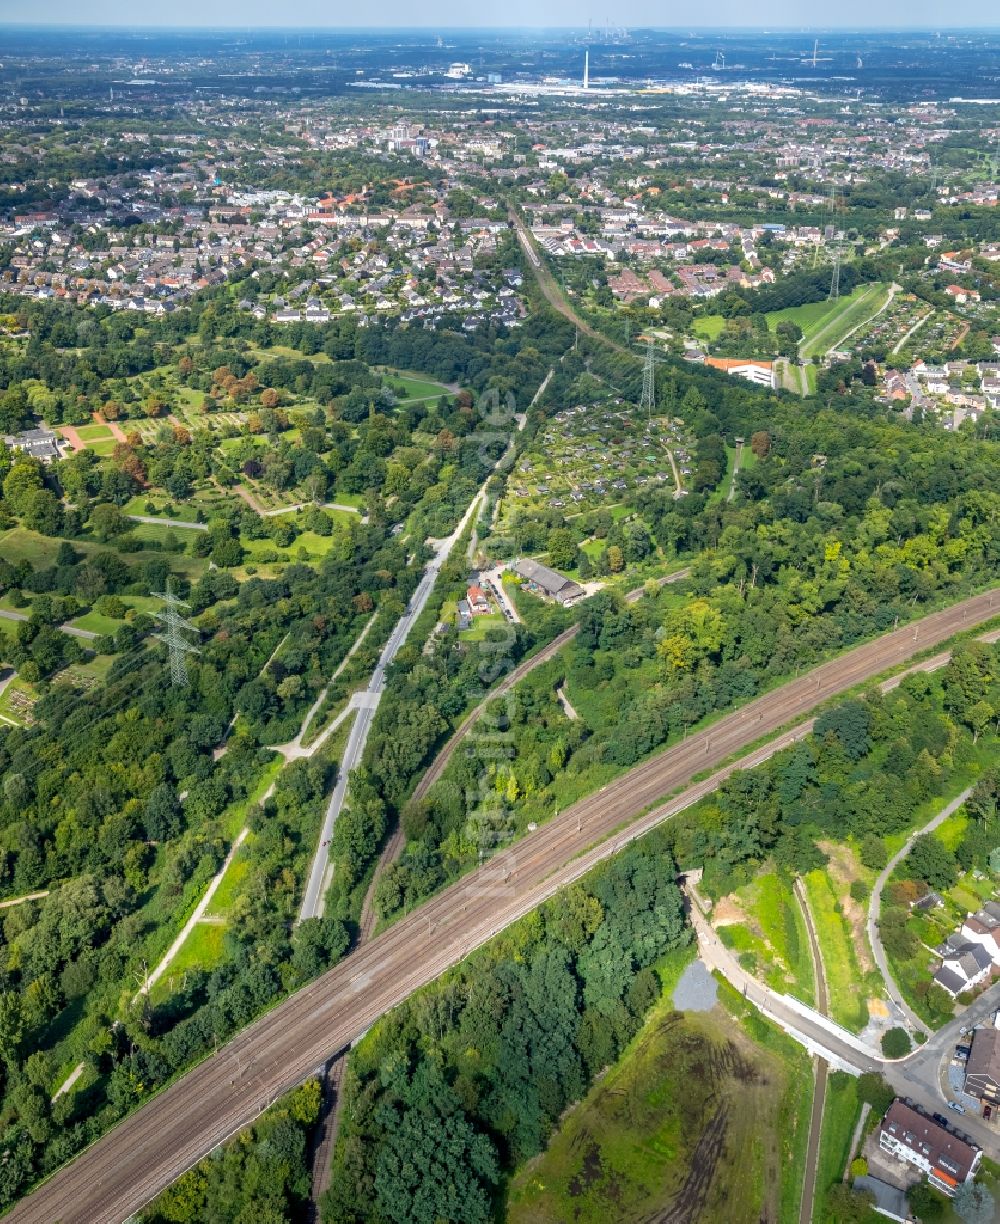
point(593, 457)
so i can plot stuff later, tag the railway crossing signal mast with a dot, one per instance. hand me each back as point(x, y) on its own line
point(175, 626)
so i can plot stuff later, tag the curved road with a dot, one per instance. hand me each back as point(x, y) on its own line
point(875, 905)
point(916, 1077)
point(154, 1145)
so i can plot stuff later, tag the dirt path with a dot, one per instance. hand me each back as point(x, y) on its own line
point(116, 430)
point(816, 342)
point(736, 471)
point(875, 906)
point(72, 437)
point(822, 1067)
point(564, 701)
point(915, 328)
point(69, 1081)
point(294, 749)
point(35, 896)
point(248, 497)
point(195, 918)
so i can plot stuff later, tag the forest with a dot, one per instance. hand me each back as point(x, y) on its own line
point(467, 1079)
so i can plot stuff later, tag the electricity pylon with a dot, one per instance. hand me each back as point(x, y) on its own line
point(835, 279)
point(178, 647)
point(648, 401)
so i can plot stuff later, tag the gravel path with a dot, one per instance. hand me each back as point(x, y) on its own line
point(696, 990)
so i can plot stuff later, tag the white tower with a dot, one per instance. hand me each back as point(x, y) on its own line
point(586, 69)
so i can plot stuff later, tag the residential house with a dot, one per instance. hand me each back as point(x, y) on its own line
point(946, 1160)
point(890, 1201)
point(964, 966)
point(40, 444)
point(476, 598)
point(982, 1070)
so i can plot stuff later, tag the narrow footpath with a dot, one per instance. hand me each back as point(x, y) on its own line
point(807, 1205)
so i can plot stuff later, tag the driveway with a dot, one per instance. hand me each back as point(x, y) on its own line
point(494, 577)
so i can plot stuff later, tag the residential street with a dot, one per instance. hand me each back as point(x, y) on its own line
point(917, 1077)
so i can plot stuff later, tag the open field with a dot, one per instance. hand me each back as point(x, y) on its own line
point(843, 975)
point(414, 386)
point(709, 326)
point(22, 544)
point(831, 330)
point(771, 936)
point(642, 1146)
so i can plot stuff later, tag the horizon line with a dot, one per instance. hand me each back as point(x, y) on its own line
point(768, 28)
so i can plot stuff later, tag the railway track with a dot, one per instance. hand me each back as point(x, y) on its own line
point(141, 1156)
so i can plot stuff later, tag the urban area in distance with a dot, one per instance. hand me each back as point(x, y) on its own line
point(499, 619)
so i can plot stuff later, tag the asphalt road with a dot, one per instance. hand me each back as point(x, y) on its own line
point(312, 901)
point(154, 1145)
point(183, 524)
point(87, 634)
point(875, 906)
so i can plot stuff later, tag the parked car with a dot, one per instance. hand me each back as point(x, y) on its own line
point(987, 1112)
point(956, 1107)
point(940, 1119)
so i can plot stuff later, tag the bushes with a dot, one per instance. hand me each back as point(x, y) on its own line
point(896, 1043)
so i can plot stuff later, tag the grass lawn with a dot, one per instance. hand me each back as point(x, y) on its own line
point(831, 330)
point(315, 546)
point(97, 622)
point(952, 831)
point(348, 499)
point(642, 1142)
point(415, 386)
point(202, 949)
point(481, 625)
point(841, 1111)
point(20, 544)
point(94, 433)
point(709, 327)
point(773, 904)
point(843, 975)
point(808, 316)
point(229, 886)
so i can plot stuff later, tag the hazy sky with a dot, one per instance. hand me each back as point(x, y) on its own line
point(441, 13)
